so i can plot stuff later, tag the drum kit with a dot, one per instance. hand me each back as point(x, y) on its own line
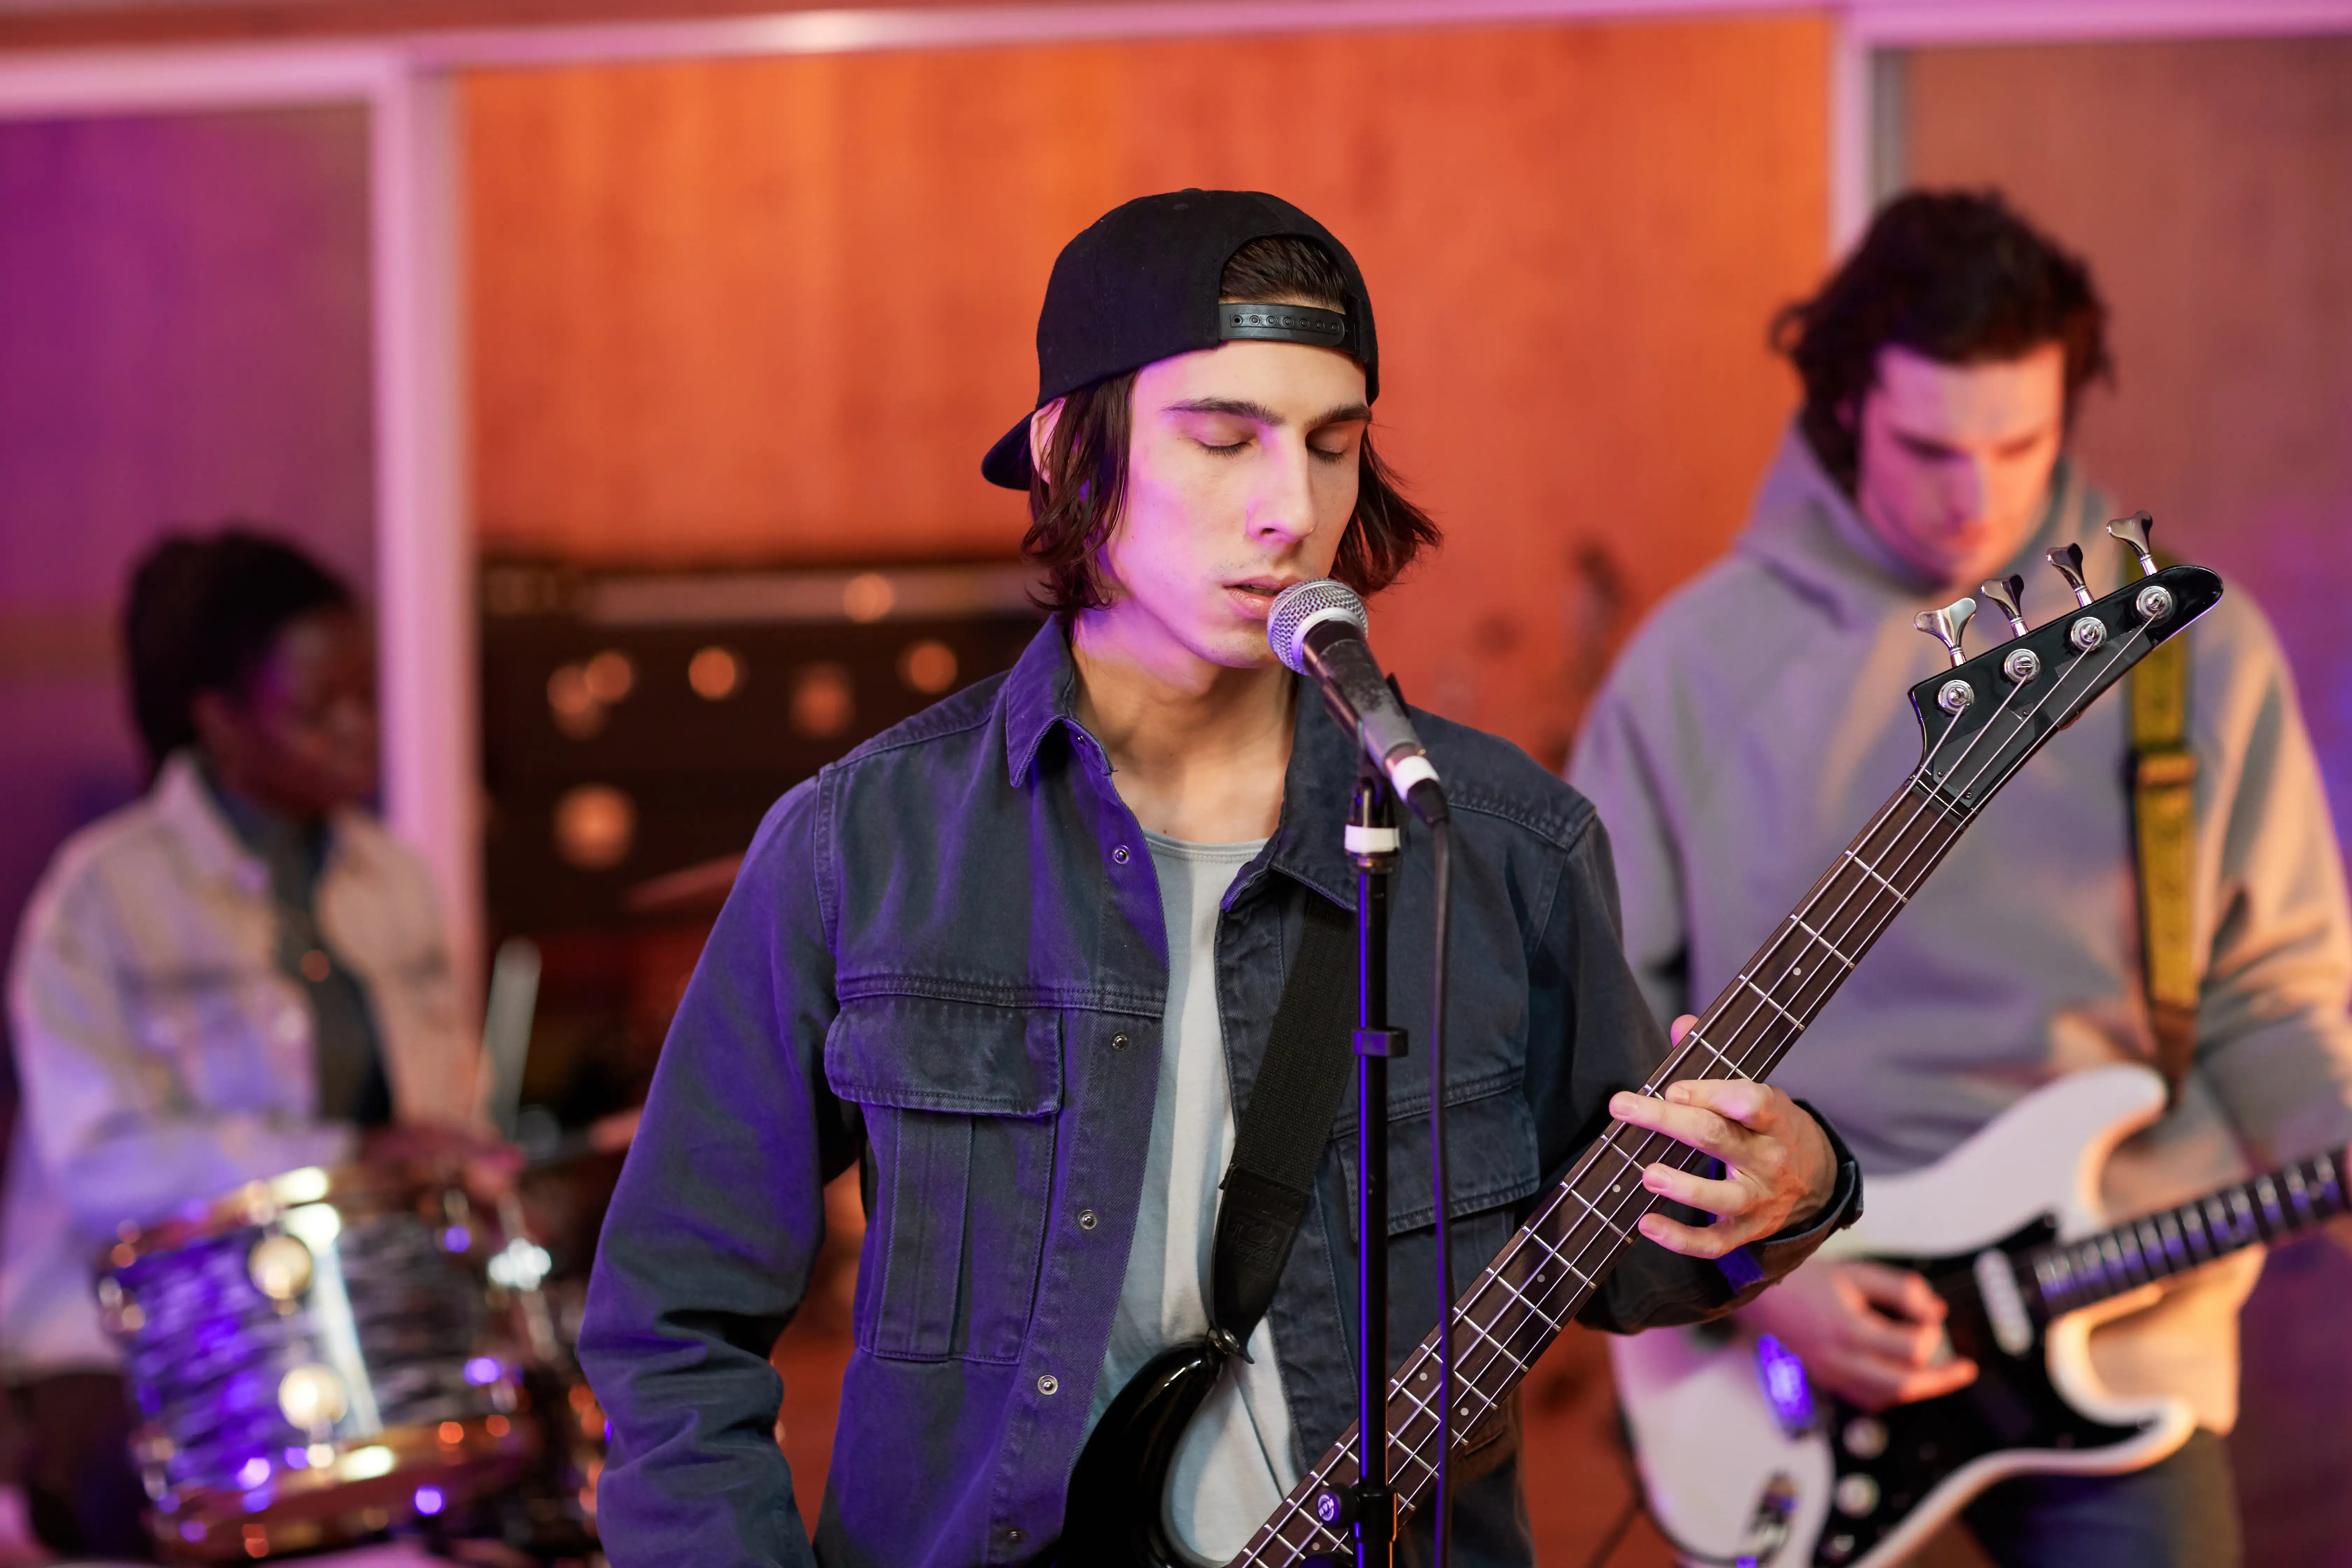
point(326, 1355)
point(335, 1357)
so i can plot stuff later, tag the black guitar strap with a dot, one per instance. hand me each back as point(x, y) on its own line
point(1281, 1133)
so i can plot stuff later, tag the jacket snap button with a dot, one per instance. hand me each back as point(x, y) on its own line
point(1120, 854)
point(1013, 1537)
point(1087, 1219)
point(1049, 1386)
point(1118, 1042)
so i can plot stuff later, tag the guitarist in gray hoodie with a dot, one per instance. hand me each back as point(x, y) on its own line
point(1942, 364)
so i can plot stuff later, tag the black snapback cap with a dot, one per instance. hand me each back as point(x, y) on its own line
point(1141, 284)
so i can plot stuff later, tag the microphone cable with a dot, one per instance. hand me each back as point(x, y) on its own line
point(1441, 833)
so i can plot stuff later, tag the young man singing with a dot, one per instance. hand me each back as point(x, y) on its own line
point(1021, 954)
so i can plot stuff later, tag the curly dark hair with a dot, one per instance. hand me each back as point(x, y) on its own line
point(1075, 497)
point(203, 613)
point(1954, 275)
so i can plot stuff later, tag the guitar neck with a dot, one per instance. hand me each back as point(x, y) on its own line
point(1548, 1272)
point(1980, 720)
point(2272, 1206)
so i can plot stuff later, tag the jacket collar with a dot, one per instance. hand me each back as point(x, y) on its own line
point(187, 805)
point(1807, 530)
point(1040, 695)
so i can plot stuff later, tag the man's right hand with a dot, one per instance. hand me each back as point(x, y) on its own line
point(1870, 1334)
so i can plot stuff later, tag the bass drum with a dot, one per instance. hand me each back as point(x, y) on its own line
point(327, 1355)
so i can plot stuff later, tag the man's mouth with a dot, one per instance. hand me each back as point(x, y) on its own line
point(1254, 596)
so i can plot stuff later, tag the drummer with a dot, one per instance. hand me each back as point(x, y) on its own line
point(238, 975)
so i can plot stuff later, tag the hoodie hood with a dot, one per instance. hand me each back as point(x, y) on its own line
point(1808, 531)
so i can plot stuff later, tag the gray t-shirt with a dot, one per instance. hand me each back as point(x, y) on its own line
point(1234, 1465)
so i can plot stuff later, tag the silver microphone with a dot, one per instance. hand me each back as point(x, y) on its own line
point(1316, 628)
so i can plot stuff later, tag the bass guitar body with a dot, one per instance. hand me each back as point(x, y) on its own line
point(1743, 1461)
point(1118, 1513)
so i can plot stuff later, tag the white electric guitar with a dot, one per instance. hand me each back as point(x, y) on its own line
point(1744, 1462)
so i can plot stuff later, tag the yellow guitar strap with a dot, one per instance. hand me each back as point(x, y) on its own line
point(2164, 825)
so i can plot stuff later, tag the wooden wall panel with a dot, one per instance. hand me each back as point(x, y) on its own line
point(2211, 186)
point(778, 308)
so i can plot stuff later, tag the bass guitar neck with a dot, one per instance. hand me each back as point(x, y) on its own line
point(1979, 721)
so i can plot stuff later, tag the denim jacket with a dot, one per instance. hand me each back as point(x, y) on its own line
point(945, 955)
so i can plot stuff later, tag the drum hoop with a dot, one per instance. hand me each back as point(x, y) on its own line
point(353, 1191)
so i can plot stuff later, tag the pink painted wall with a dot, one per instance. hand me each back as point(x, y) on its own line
point(184, 334)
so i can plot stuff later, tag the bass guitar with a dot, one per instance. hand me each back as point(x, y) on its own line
point(1979, 721)
point(1742, 1460)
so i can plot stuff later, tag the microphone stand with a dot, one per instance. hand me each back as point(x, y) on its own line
point(1374, 843)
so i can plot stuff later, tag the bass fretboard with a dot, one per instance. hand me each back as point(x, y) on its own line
point(1548, 1270)
point(1551, 1268)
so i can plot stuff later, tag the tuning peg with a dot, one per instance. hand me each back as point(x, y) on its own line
point(2134, 532)
point(2009, 594)
point(1947, 625)
point(2068, 559)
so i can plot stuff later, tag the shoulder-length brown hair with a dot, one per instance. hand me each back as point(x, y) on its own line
point(1076, 496)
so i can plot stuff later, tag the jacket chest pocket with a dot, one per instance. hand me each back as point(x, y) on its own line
point(961, 1109)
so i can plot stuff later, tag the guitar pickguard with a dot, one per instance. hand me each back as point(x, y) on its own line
point(1888, 1464)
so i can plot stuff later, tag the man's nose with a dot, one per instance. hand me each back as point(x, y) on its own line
point(1283, 508)
point(1971, 488)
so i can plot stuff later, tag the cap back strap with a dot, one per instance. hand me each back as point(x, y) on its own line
point(1283, 324)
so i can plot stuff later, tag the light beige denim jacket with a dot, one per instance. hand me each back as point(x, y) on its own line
point(1758, 718)
point(164, 1058)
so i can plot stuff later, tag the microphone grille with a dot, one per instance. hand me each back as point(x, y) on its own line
point(1301, 606)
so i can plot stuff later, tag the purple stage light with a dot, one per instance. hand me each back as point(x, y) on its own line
point(429, 1499)
point(253, 1472)
point(1786, 1388)
point(457, 1238)
point(483, 1369)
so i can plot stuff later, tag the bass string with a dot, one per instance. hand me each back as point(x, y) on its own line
point(1405, 1443)
point(1915, 793)
point(1604, 1222)
point(1277, 1529)
point(1918, 794)
point(1342, 1458)
point(1488, 1310)
point(1540, 1310)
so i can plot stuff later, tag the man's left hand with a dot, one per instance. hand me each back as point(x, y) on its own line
point(1777, 1163)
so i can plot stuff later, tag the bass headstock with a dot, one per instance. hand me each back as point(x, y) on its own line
point(1983, 717)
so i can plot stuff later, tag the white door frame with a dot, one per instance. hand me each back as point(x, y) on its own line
point(425, 591)
point(423, 548)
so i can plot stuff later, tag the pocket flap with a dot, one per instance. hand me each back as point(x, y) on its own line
point(1490, 1154)
point(919, 1053)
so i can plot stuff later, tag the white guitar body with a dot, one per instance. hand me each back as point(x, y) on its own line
point(1732, 1475)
